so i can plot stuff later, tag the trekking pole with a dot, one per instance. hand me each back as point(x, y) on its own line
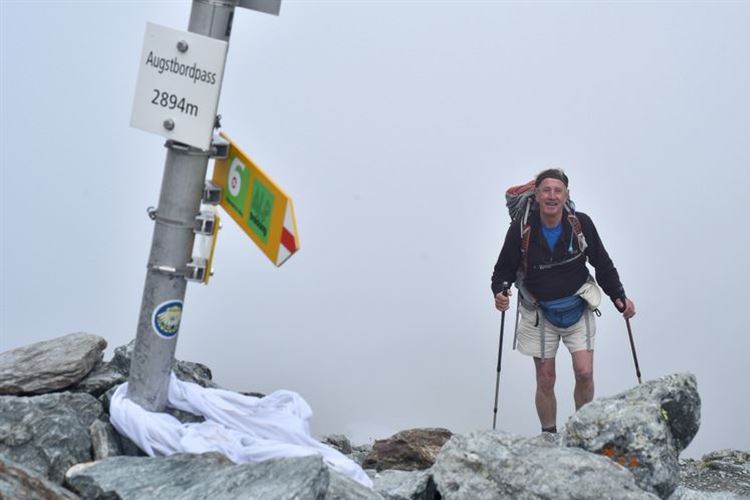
point(506, 286)
point(632, 344)
point(632, 348)
point(518, 313)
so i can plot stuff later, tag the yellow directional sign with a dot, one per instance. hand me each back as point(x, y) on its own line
point(255, 202)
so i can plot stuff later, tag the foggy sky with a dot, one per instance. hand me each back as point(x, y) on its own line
point(396, 127)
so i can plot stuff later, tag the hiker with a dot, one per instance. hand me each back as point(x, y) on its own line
point(545, 255)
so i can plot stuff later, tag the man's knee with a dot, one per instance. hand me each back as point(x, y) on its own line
point(545, 379)
point(583, 366)
point(584, 374)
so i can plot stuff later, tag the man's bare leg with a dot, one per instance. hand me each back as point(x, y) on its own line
point(546, 404)
point(583, 367)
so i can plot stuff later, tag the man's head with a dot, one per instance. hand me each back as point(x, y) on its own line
point(551, 193)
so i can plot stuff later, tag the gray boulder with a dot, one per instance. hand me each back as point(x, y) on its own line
point(643, 429)
point(359, 453)
point(211, 475)
point(50, 365)
point(279, 478)
point(405, 485)
point(103, 377)
point(683, 493)
point(143, 477)
point(105, 441)
point(338, 441)
point(488, 465)
point(48, 433)
point(187, 371)
point(412, 449)
point(680, 402)
point(341, 487)
point(17, 481)
point(726, 471)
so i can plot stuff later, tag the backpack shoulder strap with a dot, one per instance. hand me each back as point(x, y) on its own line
point(575, 223)
point(525, 237)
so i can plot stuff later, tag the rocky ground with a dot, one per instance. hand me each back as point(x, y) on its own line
point(56, 441)
point(719, 471)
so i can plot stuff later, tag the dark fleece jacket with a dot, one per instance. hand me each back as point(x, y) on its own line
point(547, 283)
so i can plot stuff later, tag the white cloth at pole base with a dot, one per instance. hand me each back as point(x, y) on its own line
point(244, 428)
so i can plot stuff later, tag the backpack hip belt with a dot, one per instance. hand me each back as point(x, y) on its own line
point(526, 300)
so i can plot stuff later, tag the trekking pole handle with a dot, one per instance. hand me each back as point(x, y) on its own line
point(506, 287)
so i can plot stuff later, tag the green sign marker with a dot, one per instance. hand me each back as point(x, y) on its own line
point(261, 207)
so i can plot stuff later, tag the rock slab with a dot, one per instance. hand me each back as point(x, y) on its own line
point(722, 471)
point(643, 429)
point(49, 433)
point(16, 482)
point(212, 475)
point(50, 365)
point(405, 485)
point(489, 465)
point(412, 449)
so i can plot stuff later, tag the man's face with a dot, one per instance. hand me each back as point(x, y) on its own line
point(551, 196)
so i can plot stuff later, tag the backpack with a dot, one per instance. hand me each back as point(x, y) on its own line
point(520, 201)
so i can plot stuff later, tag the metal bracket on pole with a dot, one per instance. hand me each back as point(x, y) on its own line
point(196, 269)
point(267, 6)
point(166, 270)
point(219, 147)
point(205, 223)
point(211, 193)
point(188, 272)
point(153, 214)
point(185, 149)
point(207, 226)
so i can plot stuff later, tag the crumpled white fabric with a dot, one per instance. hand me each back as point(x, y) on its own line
point(244, 428)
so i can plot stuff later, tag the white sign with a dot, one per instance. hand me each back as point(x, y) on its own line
point(179, 79)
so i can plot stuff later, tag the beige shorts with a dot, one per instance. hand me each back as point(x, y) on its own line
point(577, 337)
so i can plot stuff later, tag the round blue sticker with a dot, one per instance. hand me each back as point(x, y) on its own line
point(165, 319)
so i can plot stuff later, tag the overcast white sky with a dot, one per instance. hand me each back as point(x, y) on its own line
point(396, 127)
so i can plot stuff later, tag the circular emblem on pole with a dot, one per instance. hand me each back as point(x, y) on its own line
point(165, 319)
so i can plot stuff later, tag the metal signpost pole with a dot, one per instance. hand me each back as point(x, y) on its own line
point(172, 244)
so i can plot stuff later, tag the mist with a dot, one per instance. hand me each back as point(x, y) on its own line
point(396, 128)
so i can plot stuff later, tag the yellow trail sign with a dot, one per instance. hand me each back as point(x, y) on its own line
point(255, 202)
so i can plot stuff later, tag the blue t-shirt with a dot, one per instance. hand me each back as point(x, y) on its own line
point(552, 234)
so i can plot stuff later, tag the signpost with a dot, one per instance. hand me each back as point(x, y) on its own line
point(179, 80)
point(261, 208)
point(177, 93)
